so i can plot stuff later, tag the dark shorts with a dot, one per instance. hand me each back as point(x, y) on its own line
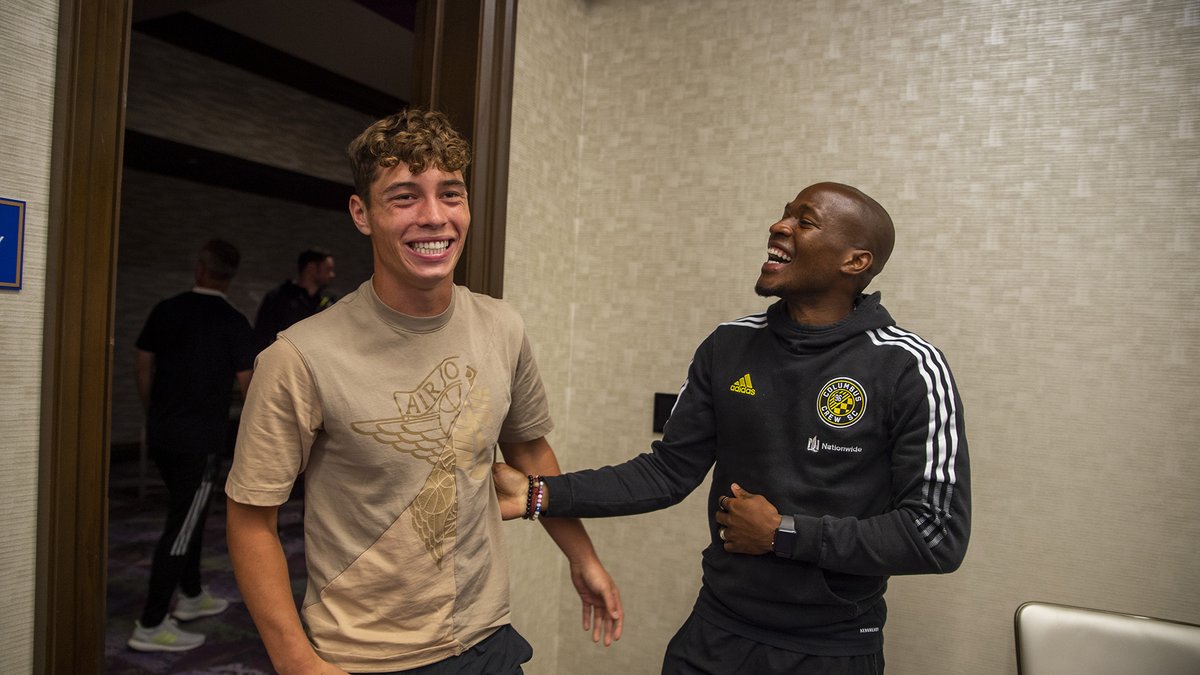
point(700, 648)
point(501, 653)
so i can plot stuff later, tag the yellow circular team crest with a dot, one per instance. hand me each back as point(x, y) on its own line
point(841, 402)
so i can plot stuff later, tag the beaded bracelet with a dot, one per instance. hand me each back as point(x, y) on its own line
point(537, 505)
point(528, 500)
point(533, 498)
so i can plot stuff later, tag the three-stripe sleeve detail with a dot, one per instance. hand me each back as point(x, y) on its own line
point(942, 441)
point(753, 321)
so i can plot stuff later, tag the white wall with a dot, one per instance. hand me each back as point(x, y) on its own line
point(28, 40)
point(1041, 163)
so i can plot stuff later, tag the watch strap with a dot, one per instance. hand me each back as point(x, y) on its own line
point(785, 537)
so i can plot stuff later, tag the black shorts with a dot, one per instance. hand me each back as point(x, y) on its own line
point(500, 653)
point(701, 648)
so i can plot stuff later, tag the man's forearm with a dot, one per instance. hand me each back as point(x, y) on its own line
point(602, 612)
point(568, 533)
point(261, 570)
point(571, 538)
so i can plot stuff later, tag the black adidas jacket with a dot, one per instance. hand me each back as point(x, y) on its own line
point(856, 429)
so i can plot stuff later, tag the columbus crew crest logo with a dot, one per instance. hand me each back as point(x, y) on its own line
point(841, 402)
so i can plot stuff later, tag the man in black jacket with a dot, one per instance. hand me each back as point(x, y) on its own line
point(293, 301)
point(838, 450)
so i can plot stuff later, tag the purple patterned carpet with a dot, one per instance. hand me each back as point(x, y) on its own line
point(233, 646)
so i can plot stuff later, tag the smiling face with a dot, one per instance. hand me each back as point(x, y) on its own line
point(816, 253)
point(418, 227)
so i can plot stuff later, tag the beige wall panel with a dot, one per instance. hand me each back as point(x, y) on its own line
point(1041, 162)
point(539, 281)
point(28, 39)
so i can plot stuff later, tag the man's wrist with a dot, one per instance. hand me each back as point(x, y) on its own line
point(785, 537)
point(536, 497)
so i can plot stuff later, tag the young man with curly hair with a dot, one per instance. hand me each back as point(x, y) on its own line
point(392, 402)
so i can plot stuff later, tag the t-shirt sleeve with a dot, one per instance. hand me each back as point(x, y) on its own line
point(151, 337)
point(529, 413)
point(279, 423)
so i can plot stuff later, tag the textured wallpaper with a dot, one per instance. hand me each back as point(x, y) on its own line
point(539, 281)
point(28, 30)
point(1041, 163)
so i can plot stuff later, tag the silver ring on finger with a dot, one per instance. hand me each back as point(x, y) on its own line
point(721, 534)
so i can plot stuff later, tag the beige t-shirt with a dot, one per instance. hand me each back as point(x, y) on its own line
point(394, 421)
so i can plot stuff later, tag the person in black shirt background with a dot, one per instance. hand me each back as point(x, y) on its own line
point(192, 349)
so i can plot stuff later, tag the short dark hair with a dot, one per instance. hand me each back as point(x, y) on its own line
point(220, 259)
point(312, 255)
point(418, 138)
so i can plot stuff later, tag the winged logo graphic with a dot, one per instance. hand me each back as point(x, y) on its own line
point(425, 429)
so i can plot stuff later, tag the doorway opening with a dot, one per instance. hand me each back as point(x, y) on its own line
point(463, 66)
point(237, 117)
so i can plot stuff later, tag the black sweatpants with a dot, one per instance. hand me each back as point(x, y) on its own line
point(189, 478)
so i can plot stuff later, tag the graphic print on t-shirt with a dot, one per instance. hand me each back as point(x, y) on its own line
point(429, 414)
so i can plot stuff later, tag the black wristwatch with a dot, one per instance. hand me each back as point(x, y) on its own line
point(785, 537)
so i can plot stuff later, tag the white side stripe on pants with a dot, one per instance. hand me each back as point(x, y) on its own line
point(189, 523)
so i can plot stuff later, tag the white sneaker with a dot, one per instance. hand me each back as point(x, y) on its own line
point(165, 637)
point(204, 604)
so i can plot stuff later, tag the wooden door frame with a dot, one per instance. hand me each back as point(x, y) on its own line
point(464, 68)
point(84, 215)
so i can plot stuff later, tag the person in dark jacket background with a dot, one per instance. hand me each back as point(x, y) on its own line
point(839, 454)
point(293, 301)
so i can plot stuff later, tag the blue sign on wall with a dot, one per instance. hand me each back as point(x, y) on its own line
point(12, 242)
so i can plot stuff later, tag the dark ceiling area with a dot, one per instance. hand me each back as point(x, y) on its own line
point(400, 12)
point(328, 49)
point(193, 33)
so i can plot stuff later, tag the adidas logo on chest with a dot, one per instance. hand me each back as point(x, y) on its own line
point(743, 386)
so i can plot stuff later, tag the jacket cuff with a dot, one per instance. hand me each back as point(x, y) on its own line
point(807, 546)
point(561, 499)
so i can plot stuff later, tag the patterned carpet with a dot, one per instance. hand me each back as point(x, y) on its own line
point(233, 646)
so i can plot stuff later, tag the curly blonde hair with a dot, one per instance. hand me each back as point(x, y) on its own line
point(419, 138)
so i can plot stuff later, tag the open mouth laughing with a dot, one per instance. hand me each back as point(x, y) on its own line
point(776, 255)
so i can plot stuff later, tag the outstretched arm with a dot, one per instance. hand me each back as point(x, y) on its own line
point(602, 611)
